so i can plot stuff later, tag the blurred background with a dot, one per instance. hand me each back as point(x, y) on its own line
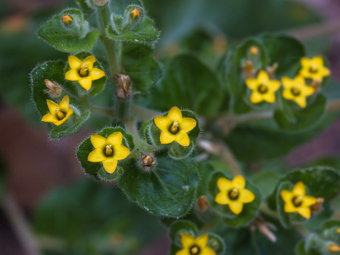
point(41, 183)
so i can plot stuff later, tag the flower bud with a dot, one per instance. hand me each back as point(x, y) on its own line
point(317, 207)
point(53, 89)
point(254, 50)
point(66, 19)
point(202, 204)
point(124, 86)
point(147, 160)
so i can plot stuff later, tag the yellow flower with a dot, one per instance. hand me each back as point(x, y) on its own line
point(108, 150)
point(66, 19)
point(296, 90)
point(174, 127)
point(333, 248)
point(83, 71)
point(195, 246)
point(233, 193)
point(59, 113)
point(263, 88)
point(135, 13)
point(297, 201)
point(314, 68)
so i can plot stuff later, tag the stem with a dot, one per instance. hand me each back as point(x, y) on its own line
point(143, 113)
point(102, 111)
point(265, 209)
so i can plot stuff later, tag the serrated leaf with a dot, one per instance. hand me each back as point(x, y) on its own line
point(74, 36)
point(169, 189)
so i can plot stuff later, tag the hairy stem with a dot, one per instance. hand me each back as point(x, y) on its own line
point(102, 111)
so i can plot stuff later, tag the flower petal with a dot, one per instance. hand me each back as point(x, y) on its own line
point(86, 83)
point(52, 106)
point(110, 165)
point(270, 97)
point(120, 152)
point(255, 97)
point(318, 61)
point(49, 118)
point(202, 241)
point(299, 189)
point(222, 199)
point(98, 141)
point(263, 77)
point(274, 85)
point(162, 122)
point(208, 251)
point(183, 139)
point(247, 196)
point(236, 207)
point(287, 82)
point(115, 138)
point(74, 62)
point(183, 252)
point(305, 62)
point(307, 90)
point(289, 207)
point(287, 94)
point(308, 201)
point(72, 75)
point(223, 184)
point(304, 211)
point(166, 137)
point(187, 240)
point(252, 83)
point(239, 182)
point(286, 195)
point(96, 155)
point(188, 124)
point(96, 73)
point(175, 114)
point(89, 61)
point(65, 103)
point(301, 101)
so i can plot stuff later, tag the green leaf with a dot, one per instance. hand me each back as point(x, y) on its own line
point(300, 249)
point(187, 83)
point(139, 63)
point(169, 189)
point(266, 182)
point(249, 209)
point(118, 7)
point(86, 5)
point(74, 36)
point(216, 243)
point(96, 169)
point(54, 71)
point(181, 226)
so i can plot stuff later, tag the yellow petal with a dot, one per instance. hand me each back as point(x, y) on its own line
point(325, 71)
point(175, 114)
point(299, 189)
point(289, 207)
point(110, 165)
point(202, 241)
point(120, 152)
point(115, 138)
point(89, 61)
point(274, 85)
point(223, 184)
point(52, 106)
point(247, 196)
point(318, 61)
point(49, 118)
point(74, 62)
point(187, 240)
point(255, 97)
point(162, 122)
point(188, 124)
point(72, 75)
point(252, 83)
point(308, 201)
point(96, 73)
point(96, 155)
point(270, 97)
point(301, 101)
point(166, 137)
point(221, 198)
point(263, 77)
point(307, 90)
point(183, 252)
point(287, 94)
point(236, 207)
point(208, 251)
point(239, 182)
point(305, 62)
point(182, 138)
point(86, 83)
point(286, 195)
point(65, 103)
point(304, 211)
point(68, 115)
point(98, 141)
point(287, 82)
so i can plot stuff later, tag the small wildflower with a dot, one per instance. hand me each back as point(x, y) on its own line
point(174, 127)
point(135, 13)
point(54, 90)
point(147, 160)
point(296, 90)
point(195, 246)
point(233, 193)
point(202, 204)
point(263, 88)
point(314, 68)
point(83, 71)
point(297, 201)
point(333, 248)
point(59, 113)
point(108, 150)
point(66, 19)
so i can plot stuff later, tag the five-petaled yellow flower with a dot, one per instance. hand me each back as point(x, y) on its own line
point(135, 13)
point(296, 90)
point(108, 150)
point(174, 127)
point(83, 71)
point(263, 88)
point(195, 246)
point(314, 68)
point(233, 193)
point(297, 201)
point(59, 113)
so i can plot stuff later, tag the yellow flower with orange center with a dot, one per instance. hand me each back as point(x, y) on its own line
point(314, 68)
point(83, 71)
point(59, 113)
point(263, 88)
point(108, 150)
point(296, 90)
point(297, 200)
point(174, 127)
point(195, 246)
point(233, 193)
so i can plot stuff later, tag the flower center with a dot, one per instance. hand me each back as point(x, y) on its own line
point(297, 201)
point(83, 71)
point(313, 69)
point(108, 150)
point(60, 114)
point(195, 250)
point(262, 89)
point(233, 194)
point(174, 127)
point(295, 91)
